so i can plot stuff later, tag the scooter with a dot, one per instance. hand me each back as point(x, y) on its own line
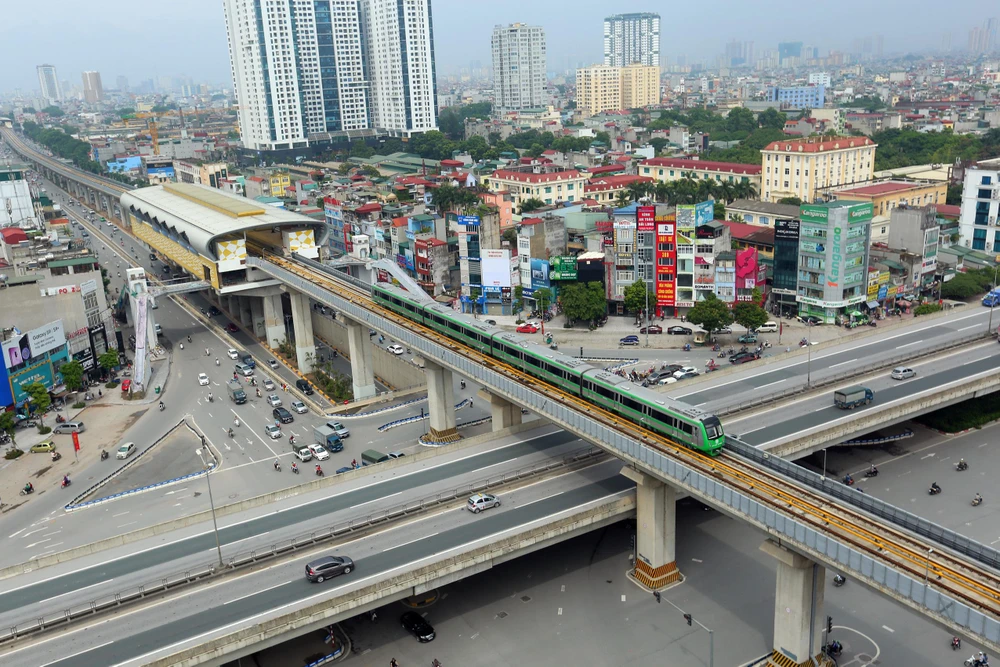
point(871, 472)
point(295, 469)
point(721, 355)
point(56, 456)
point(933, 490)
point(66, 482)
point(60, 419)
point(976, 502)
point(104, 454)
point(956, 643)
point(687, 347)
point(319, 471)
point(839, 580)
point(27, 491)
point(961, 465)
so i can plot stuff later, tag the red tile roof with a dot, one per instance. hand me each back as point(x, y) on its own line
point(452, 163)
point(880, 188)
point(605, 169)
point(948, 210)
point(706, 165)
point(528, 177)
point(614, 182)
point(371, 207)
point(818, 144)
point(399, 222)
point(531, 221)
point(750, 233)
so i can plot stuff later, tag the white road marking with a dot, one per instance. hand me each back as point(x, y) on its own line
point(377, 500)
point(562, 589)
point(559, 613)
point(426, 537)
point(623, 597)
point(115, 516)
point(56, 597)
point(697, 560)
point(127, 524)
point(971, 326)
point(242, 597)
point(15, 534)
point(931, 455)
point(916, 342)
point(35, 544)
point(56, 532)
point(764, 386)
point(989, 356)
point(541, 499)
point(844, 362)
point(886, 627)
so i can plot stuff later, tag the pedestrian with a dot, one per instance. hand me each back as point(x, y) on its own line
point(235, 376)
point(100, 394)
point(354, 463)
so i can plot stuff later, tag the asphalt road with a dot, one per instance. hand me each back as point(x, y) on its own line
point(140, 633)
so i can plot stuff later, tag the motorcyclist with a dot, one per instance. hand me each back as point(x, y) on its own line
point(65, 481)
point(216, 361)
point(28, 488)
point(189, 338)
point(934, 487)
point(291, 440)
point(962, 465)
point(236, 422)
point(295, 468)
point(319, 469)
point(230, 431)
point(210, 397)
point(872, 471)
point(978, 499)
point(848, 479)
point(277, 464)
point(161, 405)
point(839, 580)
point(461, 383)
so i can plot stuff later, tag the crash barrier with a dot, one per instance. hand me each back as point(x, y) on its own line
point(426, 441)
point(75, 504)
point(852, 496)
point(389, 408)
point(416, 418)
point(908, 433)
point(841, 378)
point(247, 558)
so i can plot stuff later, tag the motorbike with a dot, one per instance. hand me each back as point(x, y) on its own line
point(956, 643)
point(839, 580)
point(961, 465)
point(803, 342)
point(216, 362)
point(277, 467)
point(976, 502)
point(60, 419)
point(319, 471)
point(88, 396)
point(933, 490)
point(104, 454)
point(687, 347)
point(162, 407)
point(711, 366)
point(871, 472)
point(849, 481)
point(974, 661)
point(27, 490)
point(211, 399)
point(872, 323)
point(721, 355)
point(716, 348)
point(295, 469)
point(834, 649)
point(56, 456)
point(767, 344)
point(66, 482)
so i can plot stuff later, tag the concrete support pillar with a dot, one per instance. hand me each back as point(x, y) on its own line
point(505, 414)
point(656, 532)
point(274, 321)
point(257, 315)
point(233, 306)
point(798, 608)
point(440, 402)
point(246, 315)
point(305, 344)
point(362, 372)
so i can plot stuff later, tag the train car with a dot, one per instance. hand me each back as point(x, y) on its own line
point(541, 362)
point(399, 301)
point(679, 421)
point(464, 328)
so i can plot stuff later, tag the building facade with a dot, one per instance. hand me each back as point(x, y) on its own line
point(551, 187)
point(93, 92)
point(804, 97)
point(887, 195)
point(48, 81)
point(632, 38)
point(834, 242)
point(640, 86)
point(598, 88)
point(399, 46)
point(674, 169)
point(518, 67)
point(977, 223)
point(803, 167)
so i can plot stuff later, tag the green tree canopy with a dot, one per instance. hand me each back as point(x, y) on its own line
point(772, 119)
point(637, 295)
point(791, 201)
point(8, 424)
point(61, 143)
point(749, 315)
point(109, 359)
point(54, 111)
point(710, 314)
point(583, 302)
point(72, 375)
point(531, 204)
point(40, 398)
point(450, 198)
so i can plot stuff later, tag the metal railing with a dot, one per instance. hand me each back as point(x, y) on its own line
point(290, 545)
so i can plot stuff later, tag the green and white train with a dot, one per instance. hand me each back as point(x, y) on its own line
point(679, 421)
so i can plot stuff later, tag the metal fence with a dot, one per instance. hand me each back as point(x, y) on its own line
point(246, 558)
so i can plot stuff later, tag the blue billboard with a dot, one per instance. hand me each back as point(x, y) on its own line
point(468, 220)
point(704, 212)
point(539, 274)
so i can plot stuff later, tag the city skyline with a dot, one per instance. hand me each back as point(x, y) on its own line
point(196, 35)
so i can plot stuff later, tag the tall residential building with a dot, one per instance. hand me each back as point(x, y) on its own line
point(803, 167)
point(640, 86)
point(598, 88)
point(983, 39)
point(399, 41)
point(49, 83)
point(122, 84)
point(294, 80)
point(632, 38)
point(978, 222)
point(518, 67)
point(93, 92)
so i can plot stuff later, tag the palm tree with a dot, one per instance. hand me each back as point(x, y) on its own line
point(707, 189)
point(727, 191)
point(661, 191)
point(639, 189)
point(746, 190)
point(623, 199)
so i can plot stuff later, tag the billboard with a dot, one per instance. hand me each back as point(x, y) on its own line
point(563, 268)
point(468, 220)
point(787, 230)
point(685, 216)
point(645, 218)
point(495, 268)
point(666, 261)
point(746, 268)
point(539, 274)
point(39, 372)
point(23, 347)
point(704, 212)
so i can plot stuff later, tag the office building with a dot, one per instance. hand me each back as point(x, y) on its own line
point(819, 79)
point(313, 85)
point(983, 39)
point(803, 167)
point(518, 67)
point(399, 40)
point(789, 54)
point(977, 223)
point(49, 83)
point(799, 97)
point(675, 169)
point(834, 239)
point(121, 82)
point(93, 92)
point(632, 38)
point(738, 54)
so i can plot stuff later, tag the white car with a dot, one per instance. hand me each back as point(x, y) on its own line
point(902, 373)
point(273, 363)
point(396, 349)
point(233, 354)
point(203, 380)
point(304, 454)
point(482, 501)
point(126, 450)
point(268, 384)
point(684, 371)
point(768, 327)
point(299, 407)
point(274, 401)
point(319, 451)
point(272, 431)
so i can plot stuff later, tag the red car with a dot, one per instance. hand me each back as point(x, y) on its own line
point(653, 329)
point(126, 385)
point(232, 328)
point(527, 328)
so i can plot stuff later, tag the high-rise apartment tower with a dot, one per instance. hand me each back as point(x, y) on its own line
point(518, 67)
point(93, 92)
point(632, 38)
point(49, 83)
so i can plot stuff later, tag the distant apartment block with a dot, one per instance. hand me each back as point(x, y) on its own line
point(632, 38)
point(603, 88)
point(977, 222)
point(93, 92)
point(48, 80)
point(803, 97)
point(803, 167)
point(518, 67)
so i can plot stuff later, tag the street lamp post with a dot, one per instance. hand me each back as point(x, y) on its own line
point(927, 564)
point(996, 265)
point(691, 619)
point(824, 463)
point(211, 501)
point(808, 354)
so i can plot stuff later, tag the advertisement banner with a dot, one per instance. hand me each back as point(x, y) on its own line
point(813, 213)
point(40, 372)
point(469, 220)
point(539, 274)
point(704, 212)
point(787, 230)
point(622, 223)
point(746, 268)
point(666, 263)
point(685, 216)
point(645, 218)
point(76, 441)
point(47, 338)
point(56, 291)
point(563, 268)
point(495, 268)
point(16, 351)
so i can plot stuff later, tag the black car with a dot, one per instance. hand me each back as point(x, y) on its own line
point(415, 624)
point(810, 319)
point(213, 311)
point(304, 387)
point(152, 257)
point(743, 357)
point(283, 415)
point(679, 331)
point(326, 567)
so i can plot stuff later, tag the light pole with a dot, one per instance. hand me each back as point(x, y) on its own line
point(691, 619)
point(809, 354)
point(927, 564)
point(824, 463)
point(211, 501)
point(996, 265)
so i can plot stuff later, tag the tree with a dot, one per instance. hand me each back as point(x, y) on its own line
point(542, 297)
point(532, 204)
point(518, 300)
point(8, 424)
point(638, 295)
point(450, 198)
point(623, 199)
point(749, 315)
point(954, 196)
point(109, 360)
point(719, 211)
point(658, 144)
point(583, 302)
point(961, 287)
point(72, 375)
point(39, 398)
point(792, 201)
point(362, 150)
point(53, 111)
point(710, 314)
point(772, 119)
point(510, 236)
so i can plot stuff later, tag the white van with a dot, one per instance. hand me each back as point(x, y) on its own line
point(768, 327)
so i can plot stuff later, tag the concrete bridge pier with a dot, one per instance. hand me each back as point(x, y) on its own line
point(362, 372)
point(799, 621)
point(656, 532)
point(505, 414)
point(305, 344)
point(246, 312)
point(257, 315)
point(274, 320)
point(440, 402)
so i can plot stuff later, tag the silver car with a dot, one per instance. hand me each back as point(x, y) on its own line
point(902, 373)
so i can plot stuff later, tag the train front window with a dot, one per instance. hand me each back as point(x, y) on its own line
point(713, 427)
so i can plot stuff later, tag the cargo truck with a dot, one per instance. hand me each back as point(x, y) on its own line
point(851, 397)
point(327, 437)
point(236, 392)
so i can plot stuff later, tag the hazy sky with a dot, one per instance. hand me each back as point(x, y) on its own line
point(143, 39)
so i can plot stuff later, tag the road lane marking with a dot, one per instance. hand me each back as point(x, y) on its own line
point(127, 524)
point(886, 627)
point(369, 502)
point(844, 362)
point(115, 516)
point(764, 386)
point(541, 499)
point(86, 650)
point(426, 537)
point(989, 356)
point(972, 326)
point(916, 342)
point(13, 535)
point(264, 590)
point(75, 590)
